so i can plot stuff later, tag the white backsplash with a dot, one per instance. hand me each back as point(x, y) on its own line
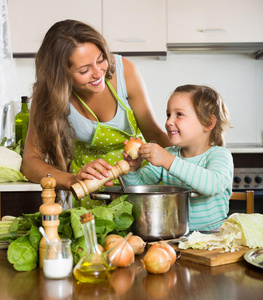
point(238, 78)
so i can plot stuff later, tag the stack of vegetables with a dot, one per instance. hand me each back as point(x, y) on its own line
point(22, 235)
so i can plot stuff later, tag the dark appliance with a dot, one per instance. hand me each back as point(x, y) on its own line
point(248, 175)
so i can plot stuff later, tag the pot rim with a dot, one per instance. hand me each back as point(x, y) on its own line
point(118, 190)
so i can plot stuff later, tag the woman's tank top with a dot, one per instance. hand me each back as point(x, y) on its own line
point(85, 128)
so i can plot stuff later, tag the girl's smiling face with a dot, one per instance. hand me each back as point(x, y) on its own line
point(88, 68)
point(183, 126)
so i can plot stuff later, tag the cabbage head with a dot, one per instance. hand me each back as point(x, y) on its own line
point(10, 164)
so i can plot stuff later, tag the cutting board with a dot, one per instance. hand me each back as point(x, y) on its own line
point(213, 257)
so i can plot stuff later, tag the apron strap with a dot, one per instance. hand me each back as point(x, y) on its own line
point(86, 106)
point(115, 94)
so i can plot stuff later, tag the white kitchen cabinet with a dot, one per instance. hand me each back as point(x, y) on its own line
point(135, 25)
point(214, 21)
point(29, 20)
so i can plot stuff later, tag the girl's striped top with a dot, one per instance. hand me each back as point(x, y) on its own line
point(209, 174)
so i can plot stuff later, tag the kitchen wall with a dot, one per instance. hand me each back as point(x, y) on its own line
point(237, 77)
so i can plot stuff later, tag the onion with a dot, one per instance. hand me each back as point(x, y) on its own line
point(126, 257)
point(169, 249)
point(156, 261)
point(132, 147)
point(101, 248)
point(111, 238)
point(137, 244)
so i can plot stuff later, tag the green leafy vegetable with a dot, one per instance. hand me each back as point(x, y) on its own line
point(248, 229)
point(10, 163)
point(23, 250)
point(123, 222)
point(10, 175)
point(15, 147)
point(71, 218)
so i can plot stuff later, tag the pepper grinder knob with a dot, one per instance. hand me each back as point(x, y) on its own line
point(48, 185)
point(85, 187)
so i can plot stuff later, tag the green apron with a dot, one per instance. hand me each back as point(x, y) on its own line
point(107, 144)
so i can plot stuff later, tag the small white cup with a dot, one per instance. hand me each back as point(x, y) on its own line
point(58, 260)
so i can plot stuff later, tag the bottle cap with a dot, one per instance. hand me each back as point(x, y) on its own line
point(25, 99)
point(86, 217)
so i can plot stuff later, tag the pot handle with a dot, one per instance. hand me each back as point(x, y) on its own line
point(178, 254)
point(95, 196)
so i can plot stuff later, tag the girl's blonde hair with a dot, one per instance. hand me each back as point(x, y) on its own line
point(208, 103)
point(53, 87)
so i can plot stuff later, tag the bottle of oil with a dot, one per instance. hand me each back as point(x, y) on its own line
point(22, 121)
point(96, 267)
point(92, 268)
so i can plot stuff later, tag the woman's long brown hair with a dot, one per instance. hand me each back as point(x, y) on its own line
point(53, 87)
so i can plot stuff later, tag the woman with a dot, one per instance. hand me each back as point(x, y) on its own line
point(85, 94)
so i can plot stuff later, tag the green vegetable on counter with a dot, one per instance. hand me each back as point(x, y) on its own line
point(10, 163)
point(248, 229)
point(24, 236)
point(23, 252)
point(238, 230)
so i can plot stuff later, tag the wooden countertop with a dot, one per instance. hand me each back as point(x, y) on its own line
point(185, 280)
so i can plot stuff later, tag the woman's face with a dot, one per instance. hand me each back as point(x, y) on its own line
point(88, 68)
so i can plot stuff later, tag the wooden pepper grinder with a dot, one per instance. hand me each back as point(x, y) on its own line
point(50, 214)
point(85, 187)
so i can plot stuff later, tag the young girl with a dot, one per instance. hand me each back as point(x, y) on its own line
point(196, 121)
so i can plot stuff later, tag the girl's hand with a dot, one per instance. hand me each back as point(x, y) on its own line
point(156, 155)
point(95, 169)
point(135, 164)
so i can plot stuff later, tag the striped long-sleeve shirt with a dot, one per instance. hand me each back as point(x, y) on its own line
point(209, 174)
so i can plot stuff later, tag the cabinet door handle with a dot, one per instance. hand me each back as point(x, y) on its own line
point(212, 30)
point(133, 41)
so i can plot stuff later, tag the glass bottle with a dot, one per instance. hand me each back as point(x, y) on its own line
point(96, 267)
point(22, 121)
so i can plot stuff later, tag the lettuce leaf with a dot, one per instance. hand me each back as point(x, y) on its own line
point(23, 252)
point(10, 164)
point(11, 175)
point(198, 240)
point(237, 230)
point(248, 229)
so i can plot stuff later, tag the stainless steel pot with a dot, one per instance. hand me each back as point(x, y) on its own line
point(160, 211)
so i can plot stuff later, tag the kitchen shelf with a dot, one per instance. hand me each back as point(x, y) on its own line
point(20, 186)
point(245, 148)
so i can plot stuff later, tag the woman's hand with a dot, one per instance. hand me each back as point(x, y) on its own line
point(95, 169)
point(156, 155)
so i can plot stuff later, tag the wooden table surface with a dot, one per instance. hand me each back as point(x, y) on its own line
point(185, 280)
